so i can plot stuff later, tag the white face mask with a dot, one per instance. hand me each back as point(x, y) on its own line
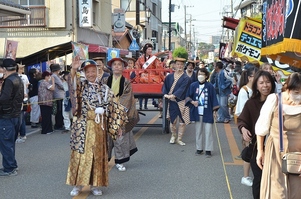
point(201, 78)
point(1, 75)
point(295, 98)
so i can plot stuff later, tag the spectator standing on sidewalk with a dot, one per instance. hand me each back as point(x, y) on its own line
point(262, 86)
point(22, 130)
point(46, 88)
point(58, 96)
point(224, 86)
point(11, 98)
point(67, 115)
point(35, 113)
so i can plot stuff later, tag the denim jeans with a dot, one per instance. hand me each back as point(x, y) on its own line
point(223, 111)
point(8, 132)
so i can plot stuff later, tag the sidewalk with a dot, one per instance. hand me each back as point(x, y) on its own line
point(30, 130)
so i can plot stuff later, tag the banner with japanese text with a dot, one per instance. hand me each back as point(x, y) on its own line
point(247, 42)
point(85, 13)
point(281, 25)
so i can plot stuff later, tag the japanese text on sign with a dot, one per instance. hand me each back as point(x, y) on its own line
point(251, 40)
point(248, 50)
point(85, 13)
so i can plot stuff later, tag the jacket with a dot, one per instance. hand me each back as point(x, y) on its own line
point(11, 97)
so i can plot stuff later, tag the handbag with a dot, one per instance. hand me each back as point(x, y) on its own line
point(291, 161)
point(247, 152)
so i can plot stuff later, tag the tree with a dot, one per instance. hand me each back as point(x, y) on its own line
point(203, 50)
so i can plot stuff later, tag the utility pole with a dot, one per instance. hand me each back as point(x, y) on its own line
point(185, 34)
point(190, 32)
point(169, 27)
point(137, 23)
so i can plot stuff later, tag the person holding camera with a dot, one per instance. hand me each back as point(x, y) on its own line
point(11, 99)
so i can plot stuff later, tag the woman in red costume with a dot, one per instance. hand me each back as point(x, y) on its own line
point(149, 61)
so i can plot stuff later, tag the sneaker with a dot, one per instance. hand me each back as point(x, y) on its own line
point(5, 174)
point(49, 133)
point(34, 125)
point(237, 157)
point(247, 181)
point(23, 137)
point(20, 140)
point(96, 191)
point(199, 152)
point(208, 154)
point(120, 167)
point(17, 169)
point(76, 190)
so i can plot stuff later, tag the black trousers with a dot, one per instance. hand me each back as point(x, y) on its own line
point(59, 119)
point(257, 172)
point(46, 113)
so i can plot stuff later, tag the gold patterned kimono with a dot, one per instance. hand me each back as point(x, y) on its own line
point(89, 149)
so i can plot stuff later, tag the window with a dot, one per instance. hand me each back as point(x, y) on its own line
point(31, 2)
point(154, 10)
point(130, 5)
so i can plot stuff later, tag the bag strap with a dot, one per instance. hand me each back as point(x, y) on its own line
point(280, 115)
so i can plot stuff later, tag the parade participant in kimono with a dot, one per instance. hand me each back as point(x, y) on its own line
point(174, 89)
point(190, 71)
point(149, 61)
point(96, 117)
point(124, 145)
point(203, 104)
point(102, 70)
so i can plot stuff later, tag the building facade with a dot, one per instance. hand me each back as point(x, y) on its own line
point(150, 27)
point(55, 22)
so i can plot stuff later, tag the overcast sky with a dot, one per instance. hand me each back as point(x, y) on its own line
point(207, 15)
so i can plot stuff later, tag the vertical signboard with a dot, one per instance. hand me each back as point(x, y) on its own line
point(119, 20)
point(85, 13)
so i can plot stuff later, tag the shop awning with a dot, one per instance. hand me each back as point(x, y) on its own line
point(47, 54)
point(59, 51)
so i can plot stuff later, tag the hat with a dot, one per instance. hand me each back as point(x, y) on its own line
point(9, 64)
point(180, 54)
point(117, 59)
point(180, 59)
point(131, 58)
point(146, 46)
point(45, 73)
point(55, 67)
point(98, 58)
point(87, 63)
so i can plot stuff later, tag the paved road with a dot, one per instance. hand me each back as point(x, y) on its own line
point(157, 170)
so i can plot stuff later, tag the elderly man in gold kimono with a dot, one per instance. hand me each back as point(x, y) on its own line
point(124, 145)
point(96, 117)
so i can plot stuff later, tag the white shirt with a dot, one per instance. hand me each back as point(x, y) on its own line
point(25, 82)
point(242, 99)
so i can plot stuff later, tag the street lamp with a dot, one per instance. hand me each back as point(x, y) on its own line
point(148, 13)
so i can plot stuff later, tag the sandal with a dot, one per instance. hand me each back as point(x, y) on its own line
point(76, 190)
point(226, 121)
point(96, 191)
